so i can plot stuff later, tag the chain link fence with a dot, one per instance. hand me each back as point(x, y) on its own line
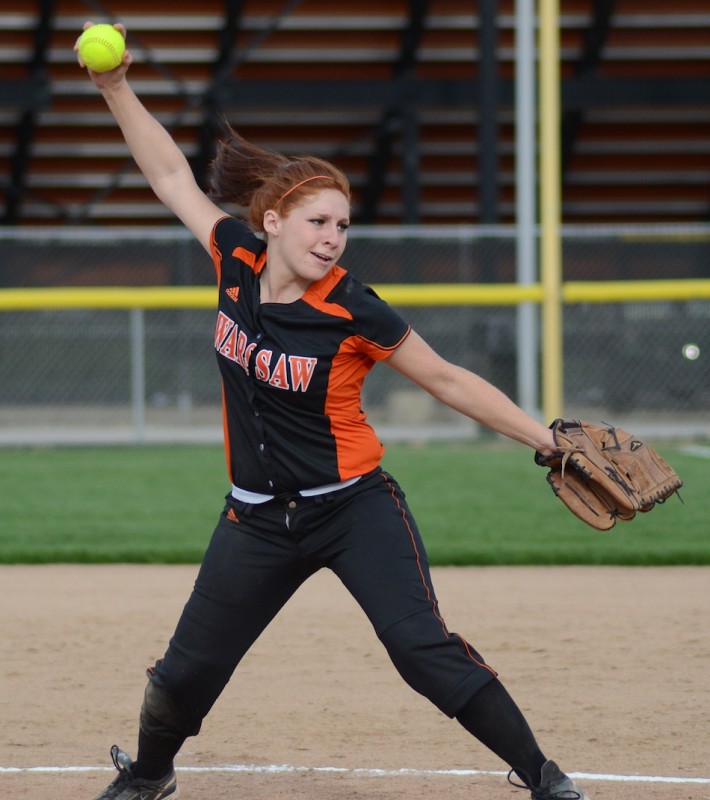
point(78, 375)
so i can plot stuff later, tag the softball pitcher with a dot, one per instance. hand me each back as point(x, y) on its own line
point(295, 336)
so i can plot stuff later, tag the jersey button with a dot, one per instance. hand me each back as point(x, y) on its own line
point(262, 447)
point(292, 504)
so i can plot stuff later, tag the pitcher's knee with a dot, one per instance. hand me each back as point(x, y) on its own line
point(179, 694)
point(162, 716)
point(440, 665)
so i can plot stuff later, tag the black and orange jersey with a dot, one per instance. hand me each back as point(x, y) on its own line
point(292, 373)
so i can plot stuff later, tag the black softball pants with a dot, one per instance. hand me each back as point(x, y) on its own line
point(257, 558)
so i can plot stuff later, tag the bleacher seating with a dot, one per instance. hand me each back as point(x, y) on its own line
point(636, 117)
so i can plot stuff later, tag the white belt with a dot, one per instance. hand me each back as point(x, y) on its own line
point(257, 497)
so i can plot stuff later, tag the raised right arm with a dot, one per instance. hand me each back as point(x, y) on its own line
point(157, 155)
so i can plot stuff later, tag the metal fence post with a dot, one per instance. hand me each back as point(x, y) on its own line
point(137, 328)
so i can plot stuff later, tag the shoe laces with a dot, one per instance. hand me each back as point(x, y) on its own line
point(541, 793)
point(122, 762)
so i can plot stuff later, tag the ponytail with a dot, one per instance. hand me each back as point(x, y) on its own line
point(259, 180)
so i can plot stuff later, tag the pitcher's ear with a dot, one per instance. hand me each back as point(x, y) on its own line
point(271, 221)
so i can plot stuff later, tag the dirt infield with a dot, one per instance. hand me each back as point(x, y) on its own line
point(611, 665)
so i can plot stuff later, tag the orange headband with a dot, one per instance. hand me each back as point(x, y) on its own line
point(293, 188)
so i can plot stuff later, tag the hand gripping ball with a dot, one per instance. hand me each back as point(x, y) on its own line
point(101, 48)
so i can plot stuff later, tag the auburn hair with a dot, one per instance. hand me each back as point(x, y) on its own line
point(259, 179)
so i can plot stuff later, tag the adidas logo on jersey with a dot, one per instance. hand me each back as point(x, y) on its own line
point(233, 293)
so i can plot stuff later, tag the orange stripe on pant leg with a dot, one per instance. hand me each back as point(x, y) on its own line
point(433, 601)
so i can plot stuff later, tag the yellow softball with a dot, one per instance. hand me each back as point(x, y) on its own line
point(101, 48)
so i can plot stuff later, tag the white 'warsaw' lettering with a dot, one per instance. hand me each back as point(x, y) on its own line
point(289, 372)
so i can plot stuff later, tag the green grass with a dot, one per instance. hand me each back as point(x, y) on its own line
point(109, 504)
point(475, 504)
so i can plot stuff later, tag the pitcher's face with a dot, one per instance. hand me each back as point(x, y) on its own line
point(312, 237)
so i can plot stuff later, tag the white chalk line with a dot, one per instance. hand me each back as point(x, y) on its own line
point(280, 769)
